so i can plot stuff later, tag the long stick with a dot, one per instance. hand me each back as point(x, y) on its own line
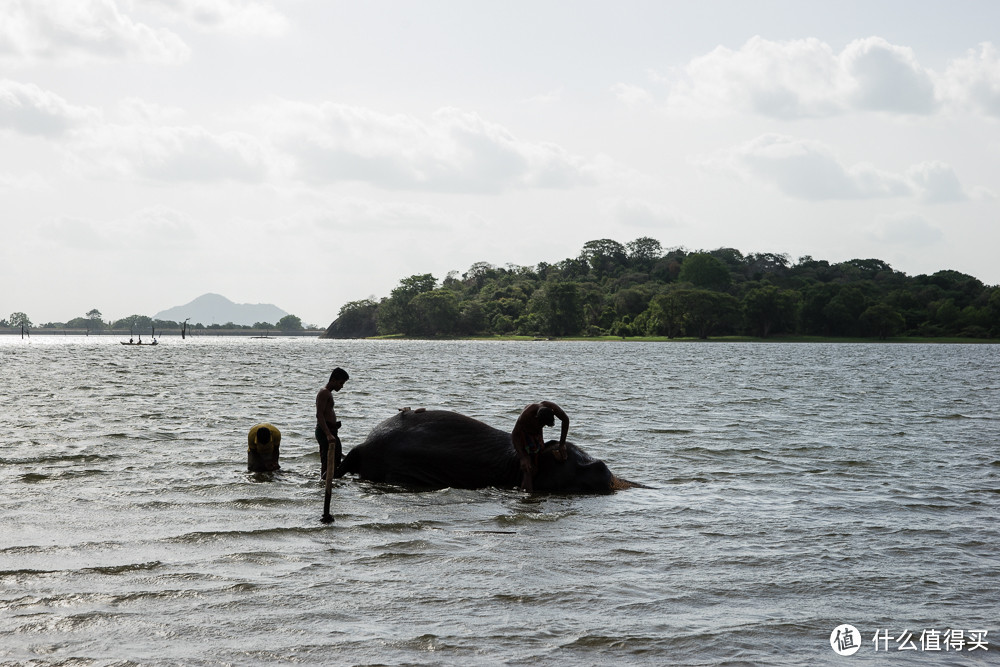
point(331, 464)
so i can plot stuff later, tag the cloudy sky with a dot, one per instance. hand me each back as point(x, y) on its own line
point(307, 153)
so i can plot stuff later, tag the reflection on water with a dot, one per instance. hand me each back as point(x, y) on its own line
point(798, 487)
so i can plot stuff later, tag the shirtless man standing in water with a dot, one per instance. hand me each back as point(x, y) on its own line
point(326, 418)
point(528, 439)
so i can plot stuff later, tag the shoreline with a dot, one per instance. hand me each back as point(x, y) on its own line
point(166, 333)
point(317, 333)
point(717, 339)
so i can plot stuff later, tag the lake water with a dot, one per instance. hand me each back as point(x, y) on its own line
point(798, 487)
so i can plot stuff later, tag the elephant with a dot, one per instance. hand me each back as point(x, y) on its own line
point(434, 449)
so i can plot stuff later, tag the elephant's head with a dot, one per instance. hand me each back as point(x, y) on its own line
point(579, 473)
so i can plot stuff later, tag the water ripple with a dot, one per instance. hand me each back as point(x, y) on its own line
point(800, 486)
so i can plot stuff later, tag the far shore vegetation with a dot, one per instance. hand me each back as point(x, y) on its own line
point(640, 291)
point(780, 338)
point(94, 324)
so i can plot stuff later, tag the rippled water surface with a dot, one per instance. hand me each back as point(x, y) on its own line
point(798, 487)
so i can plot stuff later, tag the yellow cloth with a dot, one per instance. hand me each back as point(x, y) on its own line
point(263, 450)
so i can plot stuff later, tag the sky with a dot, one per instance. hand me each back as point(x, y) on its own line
point(309, 153)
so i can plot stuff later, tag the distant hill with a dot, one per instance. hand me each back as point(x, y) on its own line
point(210, 309)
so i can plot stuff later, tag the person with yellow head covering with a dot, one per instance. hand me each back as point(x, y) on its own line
point(263, 443)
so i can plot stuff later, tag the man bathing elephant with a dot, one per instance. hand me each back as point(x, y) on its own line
point(529, 441)
point(440, 449)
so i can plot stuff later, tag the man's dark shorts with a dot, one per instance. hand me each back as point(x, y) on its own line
point(324, 449)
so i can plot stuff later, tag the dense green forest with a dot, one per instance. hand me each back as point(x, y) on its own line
point(640, 289)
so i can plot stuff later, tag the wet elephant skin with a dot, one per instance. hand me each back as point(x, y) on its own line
point(437, 449)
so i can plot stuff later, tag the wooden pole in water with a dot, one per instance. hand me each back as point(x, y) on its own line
point(331, 464)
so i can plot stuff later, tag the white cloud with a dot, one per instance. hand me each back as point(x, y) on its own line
point(134, 110)
point(244, 17)
point(547, 98)
point(974, 81)
point(28, 109)
point(640, 213)
point(172, 153)
point(805, 78)
point(74, 234)
point(152, 229)
point(631, 95)
point(456, 151)
point(23, 182)
point(810, 170)
point(807, 170)
point(80, 32)
point(141, 144)
point(781, 79)
point(937, 182)
point(907, 229)
point(163, 226)
point(359, 216)
point(884, 77)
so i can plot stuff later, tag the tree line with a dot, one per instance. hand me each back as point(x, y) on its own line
point(641, 289)
point(93, 321)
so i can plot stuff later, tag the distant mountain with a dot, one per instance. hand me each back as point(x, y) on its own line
point(210, 309)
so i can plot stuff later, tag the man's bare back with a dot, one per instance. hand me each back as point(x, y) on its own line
point(528, 439)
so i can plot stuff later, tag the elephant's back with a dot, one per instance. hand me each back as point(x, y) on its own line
point(435, 448)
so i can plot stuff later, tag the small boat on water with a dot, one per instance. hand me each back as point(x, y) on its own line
point(132, 342)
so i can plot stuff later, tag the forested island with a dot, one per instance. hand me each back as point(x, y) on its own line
point(640, 289)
